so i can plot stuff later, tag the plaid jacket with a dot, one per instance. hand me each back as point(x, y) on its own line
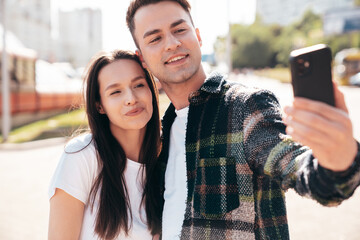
point(239, 162)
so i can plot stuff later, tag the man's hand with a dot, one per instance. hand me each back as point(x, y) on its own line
point(325, 129)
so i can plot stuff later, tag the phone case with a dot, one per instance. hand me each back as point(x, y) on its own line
point(311, 73)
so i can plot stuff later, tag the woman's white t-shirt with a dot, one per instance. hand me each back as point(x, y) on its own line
point(76, 173)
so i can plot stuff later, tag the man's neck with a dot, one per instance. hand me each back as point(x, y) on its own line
point(179, 93)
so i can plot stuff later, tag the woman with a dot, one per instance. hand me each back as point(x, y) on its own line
point(105, 186)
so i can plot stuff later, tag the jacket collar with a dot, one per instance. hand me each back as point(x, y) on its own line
point(213, 83)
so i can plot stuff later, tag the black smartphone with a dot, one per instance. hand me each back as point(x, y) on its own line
point(311, 73)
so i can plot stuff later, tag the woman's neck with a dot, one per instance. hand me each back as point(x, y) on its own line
point(131, 141)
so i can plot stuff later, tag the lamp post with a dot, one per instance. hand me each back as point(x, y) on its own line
point(5, 81)
point(228, 40)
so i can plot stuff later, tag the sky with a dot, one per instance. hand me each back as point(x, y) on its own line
point(210, 16)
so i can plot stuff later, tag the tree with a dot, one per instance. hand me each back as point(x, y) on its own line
point(260, 45)
point(251, 46)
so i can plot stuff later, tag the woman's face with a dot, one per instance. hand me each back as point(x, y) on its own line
point(125, 96)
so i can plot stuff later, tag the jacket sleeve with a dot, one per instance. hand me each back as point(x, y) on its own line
point(272, 153)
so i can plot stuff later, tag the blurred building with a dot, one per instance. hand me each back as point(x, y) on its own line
point(38, 89)
point(80, 35)
point(36, 31)
point(285, 12)
point(71, 36)
point(30, 21)
point(339, 21)
point(21, 64)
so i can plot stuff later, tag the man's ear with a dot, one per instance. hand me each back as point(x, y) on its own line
point(198, 36)
point(100, 108)
point(138, 53)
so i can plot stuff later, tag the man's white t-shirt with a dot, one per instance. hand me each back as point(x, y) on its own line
point(76, 173)
point(175, 179)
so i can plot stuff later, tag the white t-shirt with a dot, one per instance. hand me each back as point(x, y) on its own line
point(76, 173)
point(175, 179)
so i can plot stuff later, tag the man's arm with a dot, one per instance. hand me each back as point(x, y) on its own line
point(272, 153)
point(333, 172)
point(325, 129)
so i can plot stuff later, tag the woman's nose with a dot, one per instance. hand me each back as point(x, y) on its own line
point(130, 98)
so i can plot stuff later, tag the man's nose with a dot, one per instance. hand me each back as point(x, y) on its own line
point(172, 42)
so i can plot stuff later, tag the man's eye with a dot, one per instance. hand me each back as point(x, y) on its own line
point(155, 40)
point(180, 30)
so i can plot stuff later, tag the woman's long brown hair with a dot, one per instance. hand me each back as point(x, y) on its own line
point(114, 215)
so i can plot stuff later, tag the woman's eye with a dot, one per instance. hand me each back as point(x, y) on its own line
point(115, 92)
point(139, 85)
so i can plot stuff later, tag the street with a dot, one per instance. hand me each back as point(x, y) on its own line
point(26, 169)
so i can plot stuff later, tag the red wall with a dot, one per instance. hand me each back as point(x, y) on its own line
point(41, 102)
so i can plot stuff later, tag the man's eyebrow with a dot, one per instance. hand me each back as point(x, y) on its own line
point(178, 22)
point(174, 24)
point(148, 33)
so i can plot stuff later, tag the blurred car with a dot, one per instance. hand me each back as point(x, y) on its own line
point(355, 80)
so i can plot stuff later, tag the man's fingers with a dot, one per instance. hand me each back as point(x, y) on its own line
point(322, 109)
point(305, 117)
point(311, 140)
point(315, 125)
point(307, 130)
point(339, 98)
point(314, 120)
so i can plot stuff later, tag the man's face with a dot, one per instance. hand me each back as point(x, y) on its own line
point(169, 44)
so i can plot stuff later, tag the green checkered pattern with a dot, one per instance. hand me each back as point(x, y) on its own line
point(240, 161)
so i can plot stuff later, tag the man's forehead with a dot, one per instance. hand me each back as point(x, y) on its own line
point(159, 15)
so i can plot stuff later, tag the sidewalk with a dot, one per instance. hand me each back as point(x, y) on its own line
point(308, 220)
point(25, 172)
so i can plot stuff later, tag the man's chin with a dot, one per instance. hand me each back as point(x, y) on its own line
point(178, 77)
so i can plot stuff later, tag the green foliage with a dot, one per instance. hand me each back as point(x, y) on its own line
point(251, 46)
point(307, 31)
point(337, 43)
point(59, 126)
point(308, 22)
point(260, 45)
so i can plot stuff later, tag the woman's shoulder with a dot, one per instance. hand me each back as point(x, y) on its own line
point(80, 152)
point(77, 168)
point(83, 142)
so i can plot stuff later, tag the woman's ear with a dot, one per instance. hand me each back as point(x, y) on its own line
point(100, 108)
point(138, 53)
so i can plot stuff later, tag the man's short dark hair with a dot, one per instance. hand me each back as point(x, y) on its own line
point(136, 4)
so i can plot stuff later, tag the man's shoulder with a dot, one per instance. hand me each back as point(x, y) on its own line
point(236, 91)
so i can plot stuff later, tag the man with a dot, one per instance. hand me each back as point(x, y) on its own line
point(226, 157)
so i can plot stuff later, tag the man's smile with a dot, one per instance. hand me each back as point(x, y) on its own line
point(177, 59)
